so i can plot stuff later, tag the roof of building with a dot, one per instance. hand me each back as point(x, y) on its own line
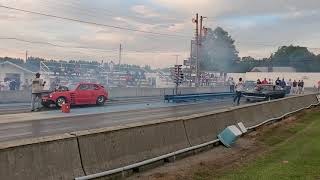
point(17, 66)
point(273, 69)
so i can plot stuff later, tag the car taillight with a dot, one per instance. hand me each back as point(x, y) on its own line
point(50, 95)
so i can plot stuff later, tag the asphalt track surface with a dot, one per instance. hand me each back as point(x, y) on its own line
point(39, 125)
point(25, 107)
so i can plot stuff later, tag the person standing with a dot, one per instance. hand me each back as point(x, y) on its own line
point(270, 81)
point(258, 82)
point(1, 86)
point(264, 81)
point(239, 89)
point(302, 87)
point(231, 84)
point(299, 87)
point(37, 87)
point(294, 87)
point(278, 81)
point(290, 86)
point(283, 83)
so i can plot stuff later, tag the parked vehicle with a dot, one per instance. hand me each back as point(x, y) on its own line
point(249, 85)
point(77, 94)
point(264, 92)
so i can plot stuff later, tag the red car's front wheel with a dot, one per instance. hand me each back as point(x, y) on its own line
point(60, 101)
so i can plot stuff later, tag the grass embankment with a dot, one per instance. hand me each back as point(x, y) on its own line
point(293, 152)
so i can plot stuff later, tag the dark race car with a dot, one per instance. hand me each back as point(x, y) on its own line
point(249, 85)
point(264, 92)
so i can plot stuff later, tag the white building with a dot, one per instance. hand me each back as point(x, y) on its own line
point(273, 69)
point(9, 70)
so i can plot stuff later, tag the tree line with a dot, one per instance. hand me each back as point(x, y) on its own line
point(218, 53)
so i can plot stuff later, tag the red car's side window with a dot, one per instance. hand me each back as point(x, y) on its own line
point(84, 87)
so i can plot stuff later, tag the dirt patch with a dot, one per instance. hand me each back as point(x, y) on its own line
point(219, 159)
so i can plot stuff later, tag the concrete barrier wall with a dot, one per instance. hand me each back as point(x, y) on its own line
point(205, 127)
point(94, 151)
point(108, 149)
point(15, 96)
point(53, 158)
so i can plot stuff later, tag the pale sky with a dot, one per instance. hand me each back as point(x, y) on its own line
point(258, 27)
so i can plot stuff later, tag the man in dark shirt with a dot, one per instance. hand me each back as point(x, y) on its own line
point(278, 81)
point(294, 87)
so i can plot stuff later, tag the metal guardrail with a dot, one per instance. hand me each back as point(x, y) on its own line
point(194, 97)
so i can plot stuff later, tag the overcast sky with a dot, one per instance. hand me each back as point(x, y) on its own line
point(258, 27)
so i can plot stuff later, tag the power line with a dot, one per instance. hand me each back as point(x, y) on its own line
point(55, 45)
point(82, 47)
point(93, 10)
point(92, 23)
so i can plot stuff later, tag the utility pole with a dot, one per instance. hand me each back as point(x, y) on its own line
point(201, 29)
point(196, 21)
point(177, 58)
point(120, 54)
point(200, 44)
point(26, 56)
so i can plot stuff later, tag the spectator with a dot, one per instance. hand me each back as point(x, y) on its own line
point(6, 85)
point(1, 85)
point(239, 89)
point(37, 87)
point(231, 84)
point(259, 82)
point(12, 85)
point(299, 87)
point(290, 85)
point(278, 81)
point(302, 87)
point(294, 87)
point(26, 85)
point(283, 83)
point(270, 81)
point(53, 85)
point(264, 81)
point(18, 84)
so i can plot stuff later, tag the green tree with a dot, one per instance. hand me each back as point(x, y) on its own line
point(295, 56)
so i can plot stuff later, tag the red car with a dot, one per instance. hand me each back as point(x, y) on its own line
point(80, 94)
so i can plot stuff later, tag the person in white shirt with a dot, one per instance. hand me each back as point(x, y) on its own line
point(239, 89)
point(37, 88)
point(231, 84)
point(1, 85)
point(6, 86)
point(290, 84)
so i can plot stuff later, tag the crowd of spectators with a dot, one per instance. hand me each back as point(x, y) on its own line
point(133, 78)
point(14, 85)
point(294, 87)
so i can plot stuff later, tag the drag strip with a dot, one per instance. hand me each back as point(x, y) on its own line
point(45, 127)
point(15, 108)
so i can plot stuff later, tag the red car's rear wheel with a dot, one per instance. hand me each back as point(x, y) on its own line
point(101, 100)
